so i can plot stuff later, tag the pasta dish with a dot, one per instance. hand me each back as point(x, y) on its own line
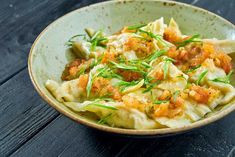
point(146, 76)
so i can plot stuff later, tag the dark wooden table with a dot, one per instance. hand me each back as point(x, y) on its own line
point(30, 127)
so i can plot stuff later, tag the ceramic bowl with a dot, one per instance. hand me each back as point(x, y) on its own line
point(48, 54)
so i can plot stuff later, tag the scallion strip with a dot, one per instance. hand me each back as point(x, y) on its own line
point(201, 76)
point(123, 66)
point(104, 106)
point(194, 38)
point(193, 68)
point(89, 84)
point(225, 80)
point(103, 120)
point(158, 102)
point(155, 55)
point(134, 27)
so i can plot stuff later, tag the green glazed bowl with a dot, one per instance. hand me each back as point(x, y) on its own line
point(49, 54)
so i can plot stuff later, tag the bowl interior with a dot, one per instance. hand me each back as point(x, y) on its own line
point(49, 54)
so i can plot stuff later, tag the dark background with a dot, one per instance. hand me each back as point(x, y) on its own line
point(30, 127)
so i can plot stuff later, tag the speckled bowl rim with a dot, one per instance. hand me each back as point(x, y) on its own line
point(164, 131)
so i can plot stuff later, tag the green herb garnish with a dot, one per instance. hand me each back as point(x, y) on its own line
point(166, 66)
point(151, 86)
point(71, 41)
point(141, 66)
point(181, 76)
point(96, 40)
point(170, 59)
point(123, 84)
point(103, 120)
point(106, 72)
point(155, 55)
point(147, 79)
point(99, 59)
point(176, 94)
point(154, 36)
point(103, 106)
point(81, 71)
point(96, 35)
point(150, 34)
point(89, 84)
point(161, 101)
point(152, 96)
point(123, 66)
point(225, 80)
point(133, 27)
point(201, 76)
point(193, 68)
point(188, 85)
point(146, 65)
point(96, 61)
point(165, 69)
point(194, 38)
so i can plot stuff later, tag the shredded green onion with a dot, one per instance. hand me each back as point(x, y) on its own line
point(194, 38)
point(166, 66)
point(181, 76)
point(161, 102)
point(104, 106)
point(106, 72)
point(89, 84)
point(155, 55)
point(193, 68)
point(71, 41)
point(176, 94)
point(123, 84)
point(103, 120)
point(96, 40)
point(151, 86)
point(154, 36)
point(201, 76)
point(225, 80)
point(123, 66)
point(133, 27)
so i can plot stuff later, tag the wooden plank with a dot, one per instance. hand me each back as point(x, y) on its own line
point(220, 7)
point(20, 23)
point(22, 113)
point(217, 139)
point(64, 137)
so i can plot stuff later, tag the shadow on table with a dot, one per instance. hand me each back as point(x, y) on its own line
point(206, 141)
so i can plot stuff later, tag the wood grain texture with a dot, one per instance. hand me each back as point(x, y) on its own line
point(64, 137)
point(217, 139)
point(22, 113)
point(219, 7)
point(20, 23)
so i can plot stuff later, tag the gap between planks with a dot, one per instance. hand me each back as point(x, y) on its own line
point(34, 134)
point(12, 75)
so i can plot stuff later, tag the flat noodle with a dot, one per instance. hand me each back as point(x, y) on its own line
point(156, 27)
point(226, 46)
point(67, 91)
point(175, 77)
point(173, 123)
point(138, 79)
point(123, 117)
point(174, 26)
